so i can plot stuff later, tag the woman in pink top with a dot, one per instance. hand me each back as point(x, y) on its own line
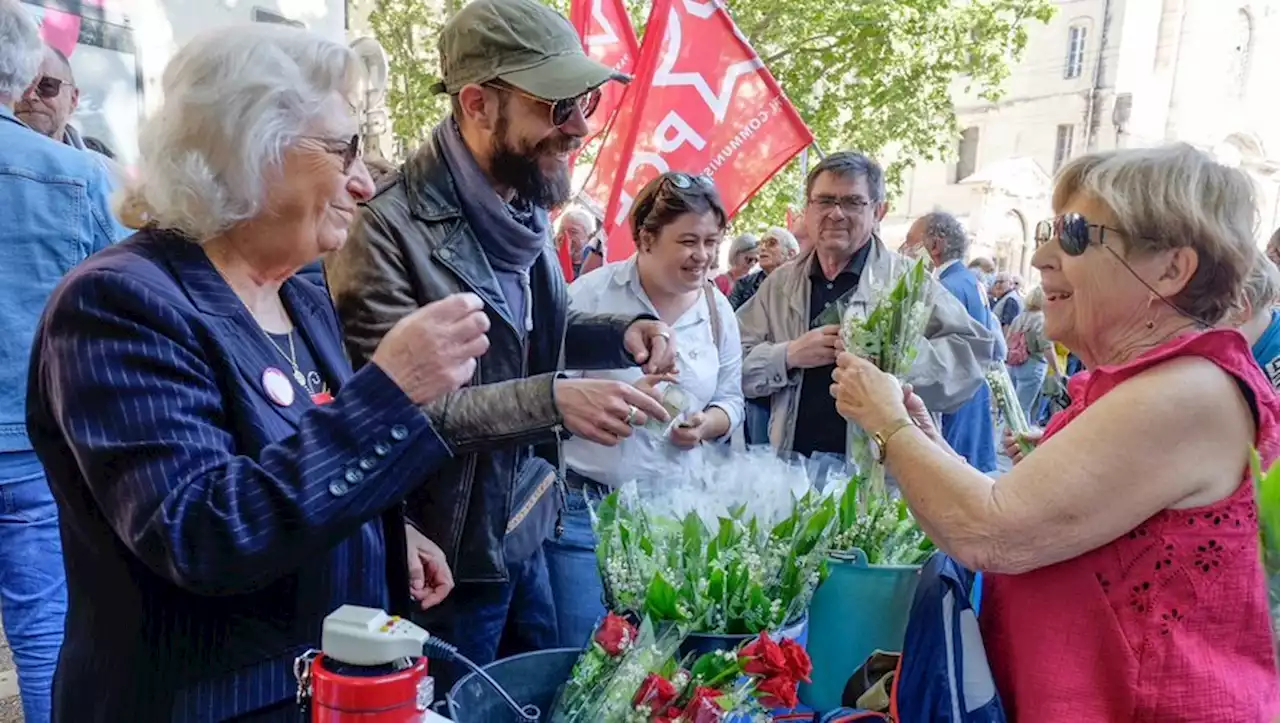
point(1122, 555)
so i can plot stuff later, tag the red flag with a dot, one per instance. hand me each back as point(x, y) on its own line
point(702, 102)
point(608, 38)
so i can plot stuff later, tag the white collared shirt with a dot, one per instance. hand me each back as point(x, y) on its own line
point(711, 376)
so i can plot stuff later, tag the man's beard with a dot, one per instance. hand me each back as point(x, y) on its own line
point(520, 170)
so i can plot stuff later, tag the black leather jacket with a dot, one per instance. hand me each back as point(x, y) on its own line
point(411, 245)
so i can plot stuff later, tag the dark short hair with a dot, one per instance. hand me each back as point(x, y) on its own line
point(850, 164)
point(661, 201)
point(946, 228)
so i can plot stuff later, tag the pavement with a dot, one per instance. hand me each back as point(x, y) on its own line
point(10, 704)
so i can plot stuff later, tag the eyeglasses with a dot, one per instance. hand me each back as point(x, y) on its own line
point(848, 204)
point(561, 110)
point(348, 151)
point(684, 181)
point(49, 87)
point(1072, 232)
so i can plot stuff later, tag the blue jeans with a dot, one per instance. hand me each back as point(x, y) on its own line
point(490, 621)
point(756, 420)
point(575, 579)
point(33, 582)
point(1028, 379)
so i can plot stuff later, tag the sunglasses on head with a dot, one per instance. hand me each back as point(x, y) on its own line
point(49, 87)
point(348, 150)
point(684, 181)
point(561, 110)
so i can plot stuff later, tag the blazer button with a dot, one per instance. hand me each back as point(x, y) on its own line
point(354, 476)
point(338, 489)
point(381, 449)
point(366, 464)
point(399, 432)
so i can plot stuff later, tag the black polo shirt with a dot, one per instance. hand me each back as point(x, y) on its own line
point(819, 427)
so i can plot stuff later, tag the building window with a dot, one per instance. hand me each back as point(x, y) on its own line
point(1062, 149)
point(262, 15)
point(1075, 51)
point(968, 153)
point(1242, 44)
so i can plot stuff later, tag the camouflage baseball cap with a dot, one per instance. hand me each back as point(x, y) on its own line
point(520, 42)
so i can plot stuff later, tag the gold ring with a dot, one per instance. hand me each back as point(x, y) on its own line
point(631, 413)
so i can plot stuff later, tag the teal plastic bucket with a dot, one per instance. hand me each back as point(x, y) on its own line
point(857, 610)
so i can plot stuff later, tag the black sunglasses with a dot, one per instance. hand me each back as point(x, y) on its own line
point(1071, 231)
point(561, 110)
point(49, 87)
point(348, 151)
point(684, 181)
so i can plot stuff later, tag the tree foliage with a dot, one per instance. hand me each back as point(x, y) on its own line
point(407, 30)
point(872, 75)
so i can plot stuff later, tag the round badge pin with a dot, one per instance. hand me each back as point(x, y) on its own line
point(277, 386)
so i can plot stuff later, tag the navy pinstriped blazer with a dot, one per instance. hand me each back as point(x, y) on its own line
point(207, 530)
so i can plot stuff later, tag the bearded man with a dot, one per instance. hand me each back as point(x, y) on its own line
point(468, 212)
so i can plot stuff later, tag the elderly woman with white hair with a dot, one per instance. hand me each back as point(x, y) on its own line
point(777, 246)
point(224, 480)
point(1123, 572)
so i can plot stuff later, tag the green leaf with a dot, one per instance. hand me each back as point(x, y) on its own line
point(661, 600)
point(695, 535)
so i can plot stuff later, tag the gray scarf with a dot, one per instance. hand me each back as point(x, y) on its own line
point(512, 235)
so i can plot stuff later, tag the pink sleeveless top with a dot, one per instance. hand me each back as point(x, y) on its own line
point(1169, 622)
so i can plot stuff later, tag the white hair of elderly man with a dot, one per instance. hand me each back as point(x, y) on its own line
point(21, 51)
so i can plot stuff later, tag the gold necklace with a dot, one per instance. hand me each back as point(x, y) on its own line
point(292, 358)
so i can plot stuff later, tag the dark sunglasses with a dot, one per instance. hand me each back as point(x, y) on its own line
point(684, 181)
point(561, 110)
point(49, 87)
point(1071, 231)
point(348, 151)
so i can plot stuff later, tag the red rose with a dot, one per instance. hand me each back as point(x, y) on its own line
point(798, 664)
point(763, 657)
point(615, 634)
point(656, 692)
point(703, 706)
point(777, 693)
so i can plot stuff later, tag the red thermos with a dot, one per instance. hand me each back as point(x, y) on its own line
point(371, 670)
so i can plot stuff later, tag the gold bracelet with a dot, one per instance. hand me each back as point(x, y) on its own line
point(882, 438)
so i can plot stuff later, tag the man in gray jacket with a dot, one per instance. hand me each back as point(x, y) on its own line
point(790, 330)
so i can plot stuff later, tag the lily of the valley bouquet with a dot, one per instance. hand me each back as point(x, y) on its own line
point(887, 331)
point(737, 548)
point(1268, 489)
point(1005, 398)
point(879, 526)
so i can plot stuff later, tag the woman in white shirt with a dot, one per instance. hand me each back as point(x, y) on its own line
point(678, 223)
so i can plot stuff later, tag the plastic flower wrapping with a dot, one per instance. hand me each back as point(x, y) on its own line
point(888, 330)
point(736, 548)
point(1005, 399)
point(644, 683)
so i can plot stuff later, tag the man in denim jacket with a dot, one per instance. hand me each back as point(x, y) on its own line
point(53, 213)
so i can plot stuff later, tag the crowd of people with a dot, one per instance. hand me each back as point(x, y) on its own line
point(261, 385)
